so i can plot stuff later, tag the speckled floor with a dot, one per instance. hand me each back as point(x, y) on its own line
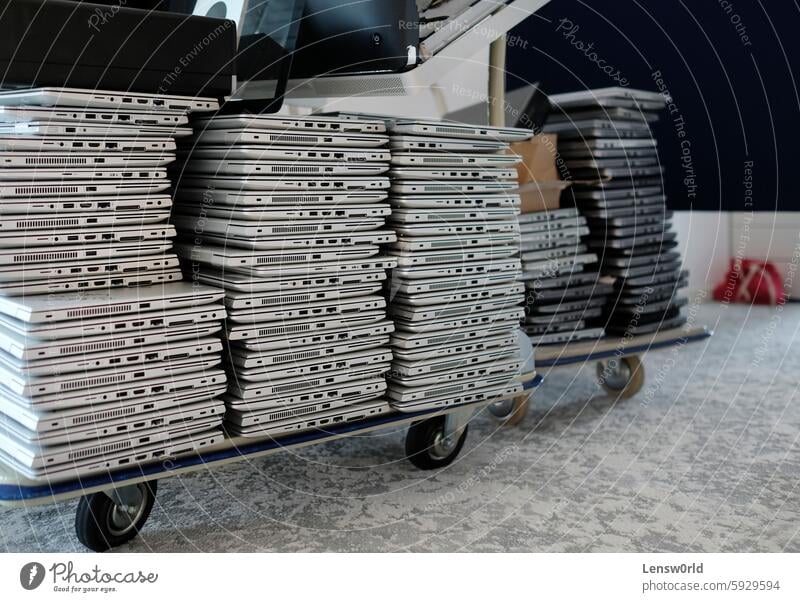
point(706, 458)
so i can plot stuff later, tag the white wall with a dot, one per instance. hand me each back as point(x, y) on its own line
point(704, 239)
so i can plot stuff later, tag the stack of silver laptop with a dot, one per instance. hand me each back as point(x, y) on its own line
point(607, 144)
point(107, 359)
point(565, 297)
point(454, 295)
point(288, 216)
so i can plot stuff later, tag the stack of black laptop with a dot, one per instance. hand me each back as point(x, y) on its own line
point(564, 294)
point(287, 215)
point(608, 147)
point(107, 359)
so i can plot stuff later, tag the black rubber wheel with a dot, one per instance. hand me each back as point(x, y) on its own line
point(101, 524)
point(426, 446)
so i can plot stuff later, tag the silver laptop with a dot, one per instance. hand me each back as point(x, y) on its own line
point(459, 269)
point(406, 244)
point(247, 391)
point(81, 98)
point(451, 187)
point(292, 214)
point(96, 144)
point(454, 129)
point(23, 241)
point(373, 385)
point(226, 167)
point(612, 96)
point(507, 314)
point(399, 394)
point(259, 301)
point(309, 311)
point(427, 143)
point(24, 348)
point(38, 333)
point(277, 263)
point(81, 220)
point(158, 426)
point(22, 114)
point(447, 215)
point(449, 348)
point(446, 311)
point(98, 130)
point(288, 138)
point(78, 205)
point(194, 443)
point(360, 393)
point(301, 369)
point(33, 387)
point(50, 308)
point(62, 175)
point(319, 421)
point(426, 341)
point(420, 159)
point(484, 395)
point(38, 162)
point(247, 284)
point(24, 189)
point(278, 330)
point(458, 293)
point(213, 197)
point(401, 286)
point(37, 423)
point(269, 184)
point(262, 228)
point(285, 344)
point(289, 243)
point(295, 154)
point(504, 364)
point(305, 123)
point(447, 201)
point(373, 338)
point(77, 270)
point(405, 372)
point(65, 285)
point(430, 173)
point(414, 258)
point(132, 356)
point(444, 228)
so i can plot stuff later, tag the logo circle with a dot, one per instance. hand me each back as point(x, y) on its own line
point(31, 575)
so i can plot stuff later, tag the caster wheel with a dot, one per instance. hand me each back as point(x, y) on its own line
point(102, 523)
point(427, 447)
point(622, 377)
point(511, 411)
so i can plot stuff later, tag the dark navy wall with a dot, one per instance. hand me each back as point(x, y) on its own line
point(732, 68)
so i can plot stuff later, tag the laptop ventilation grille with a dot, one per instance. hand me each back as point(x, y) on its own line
point(295, 386)
point(46, 189)
point(300, 355)
point(292, 413)
point(85, 347)
point(266, 332)
point(305, 169)
point(38, 257)
point(92, 382)
point(293, 229)
point(448, 130)
point(291, 138)
point(288, 299)
point(280, 259)
point(97, 311)
point(47, 223)
point(56, 161)
point(100, 449)
point(442, 391)
point(107, 415)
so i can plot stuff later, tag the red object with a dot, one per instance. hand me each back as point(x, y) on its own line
point(751, 281)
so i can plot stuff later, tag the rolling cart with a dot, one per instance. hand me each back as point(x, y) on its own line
point(619, 367)
point(114, 506)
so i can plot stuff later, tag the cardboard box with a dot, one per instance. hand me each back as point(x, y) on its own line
point(541, 196)
point(538, 158)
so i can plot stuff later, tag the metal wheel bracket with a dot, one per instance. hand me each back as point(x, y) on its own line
point(454, 423)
